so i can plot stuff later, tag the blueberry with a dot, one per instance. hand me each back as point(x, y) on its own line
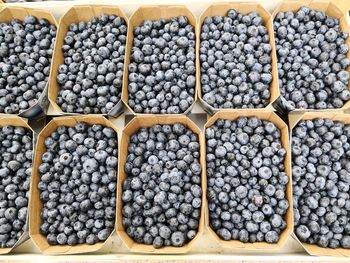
point(158, 242)
point(271, 237)
point(61, 239)
point(177, 239)
point(345, 242)
point(224, 234)
point(265, 172)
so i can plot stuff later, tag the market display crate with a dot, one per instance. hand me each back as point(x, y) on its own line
point(206, 245)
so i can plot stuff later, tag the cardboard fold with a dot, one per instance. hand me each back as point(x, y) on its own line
point(156, 12)
point(343, 5)
point(132, 127)
point(331, 9)
point(294, 119)
point(6, 15)
point(272, 117)
point(36, 204)
point(221, 9)
point(17, 122)
point(77, 14)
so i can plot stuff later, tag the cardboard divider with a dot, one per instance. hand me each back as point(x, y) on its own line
point(36, 204)
point(77, 14)
point(272, 117)
point(156, 12)
point(296, 118)
point(132, 127)
point(6, 15)
point(221, 9)
point(331, 9)
point(17, 122)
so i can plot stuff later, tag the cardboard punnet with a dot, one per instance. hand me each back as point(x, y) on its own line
point(331, 9)
point(77, 14)
point(342, 5)
point(17, 122)
point(294, 119)
point(6, 15)
point(131, 128)
point(36, 204)
point(155, 12)
point(221, 9)
point(272, 117)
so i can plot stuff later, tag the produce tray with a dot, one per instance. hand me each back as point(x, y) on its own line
point(206, 248)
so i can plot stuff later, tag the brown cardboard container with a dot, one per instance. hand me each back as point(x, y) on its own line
point(154, 12)
point(264, 115)
point(18, 122)
point(36, 204)
point(77, 14)
point(294, 119)
point(342, 5)
point(221, 9)
point(331, 9)
point(6, 15)
point(131, 128)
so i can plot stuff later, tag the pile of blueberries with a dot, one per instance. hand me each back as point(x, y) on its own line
point(16, 147)
point(235, 61)
point(162, 191)
point(321, 182)
point(92, 73)
point(246, 180)
point(162, 70)
point(312, 62)
point(25, 58)
point(78, 177)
